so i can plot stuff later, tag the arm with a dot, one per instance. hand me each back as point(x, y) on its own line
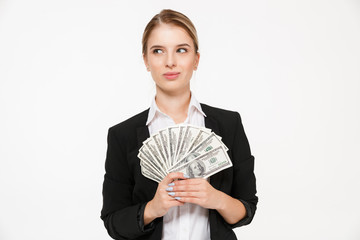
point(119, 213)
point(231, 209)
point(124, 218)
point(244, 181)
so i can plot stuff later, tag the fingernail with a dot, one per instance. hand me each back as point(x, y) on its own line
point(171, 184)
point(177, 198)
point(171, 193)
point(186, 176)
point(169, 189)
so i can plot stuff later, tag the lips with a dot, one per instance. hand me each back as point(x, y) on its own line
point(171, 75)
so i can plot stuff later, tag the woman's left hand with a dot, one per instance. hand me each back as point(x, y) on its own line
point(197, 191)
point(200, 192)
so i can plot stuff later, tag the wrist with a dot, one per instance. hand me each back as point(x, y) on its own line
point(149, 216)
point(222, 201)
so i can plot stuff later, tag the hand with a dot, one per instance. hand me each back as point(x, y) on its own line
point(162, 201)
point(197, 191)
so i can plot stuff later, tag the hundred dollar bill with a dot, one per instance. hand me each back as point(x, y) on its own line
point(182, 129)
point(173, 147)
point(160, 148)
point(210, 142)
point(173, 133)
point(149, 173)
point(165, 143)
point(146, 164)
point(148, 149)
point(151, 146)
point(150, 166)
point(189, 136)
point(199, 138)
point(220, 141)
point(207, 164)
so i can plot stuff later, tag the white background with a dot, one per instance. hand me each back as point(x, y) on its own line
point(70, 69)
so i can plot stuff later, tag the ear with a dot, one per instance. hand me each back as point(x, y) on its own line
point(197, 58)
point(146, 63)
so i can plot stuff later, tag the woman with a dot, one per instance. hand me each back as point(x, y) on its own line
point(135, 207)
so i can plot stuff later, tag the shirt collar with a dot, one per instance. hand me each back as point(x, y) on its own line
point(194, 104)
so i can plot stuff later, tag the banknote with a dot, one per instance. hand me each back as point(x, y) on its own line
point(182, 129)
point(189, 137)
point(184, 148)
point(155, 154)
point(145, 156)
point(164, 136)
point(207, 164)
point(206, 145)
point(173, 140)
point(150, 166)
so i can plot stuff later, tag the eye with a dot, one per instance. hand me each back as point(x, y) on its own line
point(157, 51)
point(182, 50)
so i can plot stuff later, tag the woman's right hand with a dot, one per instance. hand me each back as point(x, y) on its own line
point(162, 201)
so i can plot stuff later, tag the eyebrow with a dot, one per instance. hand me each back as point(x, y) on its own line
point(179, 45)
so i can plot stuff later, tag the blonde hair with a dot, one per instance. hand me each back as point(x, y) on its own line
point(169, 16)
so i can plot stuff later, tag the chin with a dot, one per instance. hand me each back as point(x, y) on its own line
point(173, 88)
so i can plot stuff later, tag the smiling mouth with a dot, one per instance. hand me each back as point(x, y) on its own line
point(171, 75)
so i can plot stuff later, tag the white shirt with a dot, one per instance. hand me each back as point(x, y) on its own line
point(189, 221)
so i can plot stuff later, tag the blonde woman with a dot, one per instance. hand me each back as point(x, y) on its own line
point(179, 207)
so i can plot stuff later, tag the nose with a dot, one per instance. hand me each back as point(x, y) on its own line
point(170, 60)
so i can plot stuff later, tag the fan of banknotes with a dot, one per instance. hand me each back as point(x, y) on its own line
point(195, 151)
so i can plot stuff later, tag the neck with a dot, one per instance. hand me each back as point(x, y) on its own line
point(176, 106)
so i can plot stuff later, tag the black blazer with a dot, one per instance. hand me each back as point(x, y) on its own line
point(126, 191)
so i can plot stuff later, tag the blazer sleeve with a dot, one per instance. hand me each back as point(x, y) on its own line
point(122, 218)
point(244, 182)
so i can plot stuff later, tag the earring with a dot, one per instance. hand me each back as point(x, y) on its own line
point(147, 68)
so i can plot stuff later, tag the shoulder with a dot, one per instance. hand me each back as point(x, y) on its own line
point(224, 115)
point(225, 123)
point(136, 121)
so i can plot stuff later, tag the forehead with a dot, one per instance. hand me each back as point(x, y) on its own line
point(194, 164)
point(169, 35)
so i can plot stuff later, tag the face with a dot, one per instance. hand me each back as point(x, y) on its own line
point(171, 58)
point(196, 169)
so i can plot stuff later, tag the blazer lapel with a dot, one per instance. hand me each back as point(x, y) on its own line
point(142, 134)
point(211, 122)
